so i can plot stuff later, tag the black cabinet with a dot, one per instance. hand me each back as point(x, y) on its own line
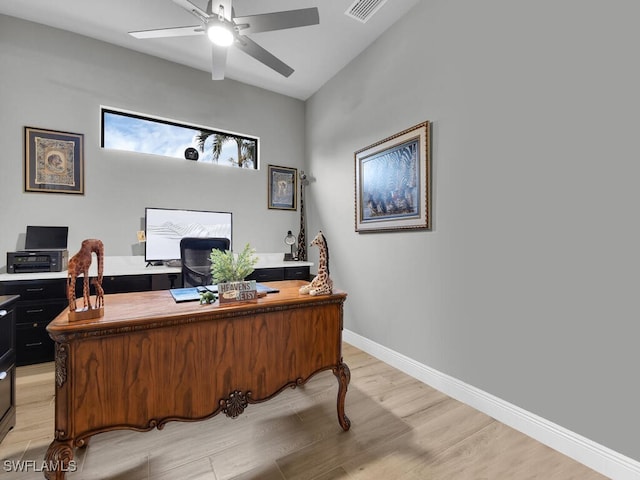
point(42, 300)
point(33, 344)
point(7, 364)
point(35, 289)
point(126, 283)
point(281, 273)
point(296, 273)
point(267, 275)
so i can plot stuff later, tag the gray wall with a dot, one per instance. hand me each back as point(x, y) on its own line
point(57, 80)
point(527, 285)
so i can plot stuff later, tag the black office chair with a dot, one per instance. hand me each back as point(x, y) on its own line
point(195, 256)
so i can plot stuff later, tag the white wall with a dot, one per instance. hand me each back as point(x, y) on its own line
point(57, 80)
point(527, 285)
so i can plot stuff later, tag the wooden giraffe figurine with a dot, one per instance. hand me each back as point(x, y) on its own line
point(99, 293)
point(79, 264)
point(322, 283)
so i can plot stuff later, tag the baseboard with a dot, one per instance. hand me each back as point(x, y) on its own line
point(595, 456)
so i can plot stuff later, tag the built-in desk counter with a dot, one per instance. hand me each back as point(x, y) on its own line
point(43, 295)
point(119, 266)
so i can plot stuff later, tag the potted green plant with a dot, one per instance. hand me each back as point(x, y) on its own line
point(228, 267)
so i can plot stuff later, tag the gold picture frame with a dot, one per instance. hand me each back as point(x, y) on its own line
point(53, 161)
point(393, 182)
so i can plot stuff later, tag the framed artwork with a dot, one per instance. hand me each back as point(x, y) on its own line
point(53, 161)
point(282, 187)
point(392, 182)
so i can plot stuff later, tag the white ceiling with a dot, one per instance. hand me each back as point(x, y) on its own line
point(316, 53)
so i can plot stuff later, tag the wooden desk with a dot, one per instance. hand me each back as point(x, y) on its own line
point(43, 295)
point(150, 360)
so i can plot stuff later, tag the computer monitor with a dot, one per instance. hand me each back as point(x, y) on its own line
point(165, 227)
point(46, 238)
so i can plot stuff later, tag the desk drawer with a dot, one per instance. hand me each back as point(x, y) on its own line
point(267, 275)
point(7, 382)
point(125, 283)
point(35, 289)
point(7, 329)
point(33, 343)
point(296, 273)
point(31, 312)
point(7, 362)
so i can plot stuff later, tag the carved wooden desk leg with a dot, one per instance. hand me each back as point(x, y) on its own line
point(59, 456)
point(343, 374)
point(58, 459)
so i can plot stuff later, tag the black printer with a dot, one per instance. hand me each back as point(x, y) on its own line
point(45, 251)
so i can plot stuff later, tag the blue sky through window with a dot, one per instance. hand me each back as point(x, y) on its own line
point(134, 134)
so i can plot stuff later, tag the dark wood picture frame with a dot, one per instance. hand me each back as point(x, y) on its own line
point(53, 161)
point(393, 182)
point(282, 188)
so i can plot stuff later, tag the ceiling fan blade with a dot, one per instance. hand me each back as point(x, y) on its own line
point(169, 32)
point(267, 22)
point(218, 61)
point(254, 50)
point(191, 8)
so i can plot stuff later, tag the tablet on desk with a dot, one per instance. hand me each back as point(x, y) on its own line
point(188, 294)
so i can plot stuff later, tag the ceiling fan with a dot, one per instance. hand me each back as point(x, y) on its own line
point(225, 29)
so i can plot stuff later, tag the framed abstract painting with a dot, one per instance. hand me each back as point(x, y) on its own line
point(53, 161)
point(392, 182)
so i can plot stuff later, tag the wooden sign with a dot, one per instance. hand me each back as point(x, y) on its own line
point(237, 291)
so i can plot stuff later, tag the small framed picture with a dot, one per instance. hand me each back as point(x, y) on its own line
point(392, 184)
point(282, 188)
point(53, 161)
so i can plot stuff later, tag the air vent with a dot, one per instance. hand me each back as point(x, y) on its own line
point(363, 10)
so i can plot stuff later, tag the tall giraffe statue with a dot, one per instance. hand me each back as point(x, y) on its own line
point(322, 283)
point(302, 237)
point(79, 264)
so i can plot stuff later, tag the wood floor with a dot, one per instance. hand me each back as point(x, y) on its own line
point(401, 429)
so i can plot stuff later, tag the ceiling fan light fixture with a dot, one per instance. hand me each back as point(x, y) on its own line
point(220, 34)
point(224, 29)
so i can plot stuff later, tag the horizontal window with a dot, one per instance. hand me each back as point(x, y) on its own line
point(133, 132)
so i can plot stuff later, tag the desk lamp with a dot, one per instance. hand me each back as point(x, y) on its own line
point(291, 241)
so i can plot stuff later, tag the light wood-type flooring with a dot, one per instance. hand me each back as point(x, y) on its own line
point(401, 429)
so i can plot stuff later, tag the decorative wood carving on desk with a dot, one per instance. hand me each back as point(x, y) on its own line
point(322, 283)
point(79, 265)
